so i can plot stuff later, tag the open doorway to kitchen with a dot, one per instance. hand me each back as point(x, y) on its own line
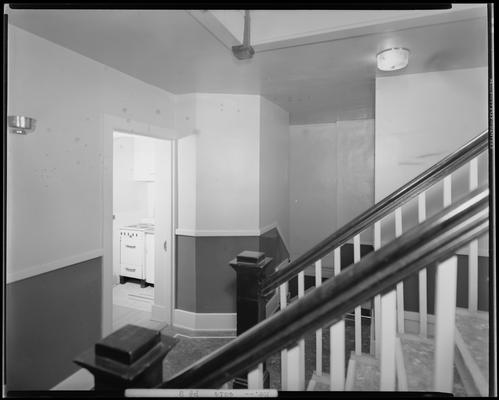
point(142, 229)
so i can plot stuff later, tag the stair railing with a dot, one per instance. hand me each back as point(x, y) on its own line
point(392, 204)
point(434, 240)
point(374, 275)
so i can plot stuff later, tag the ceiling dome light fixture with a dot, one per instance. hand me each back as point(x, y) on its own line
point(392, 59)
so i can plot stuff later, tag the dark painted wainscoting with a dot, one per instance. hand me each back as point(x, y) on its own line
point(411, 288)
point(411, 285)
point(205, 281)
point(50, 318)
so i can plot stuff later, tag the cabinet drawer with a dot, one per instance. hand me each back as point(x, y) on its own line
point(132, 271)
point(132, 254)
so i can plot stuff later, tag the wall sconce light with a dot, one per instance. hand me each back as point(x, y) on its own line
point(393, 59)
point(20, 124)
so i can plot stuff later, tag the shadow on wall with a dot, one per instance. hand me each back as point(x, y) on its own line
point(205, 281)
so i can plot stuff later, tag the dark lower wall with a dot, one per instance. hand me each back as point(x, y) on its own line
point(411, 286)
point(51, 318)
point(215, 278)
point(185, 282)
point(206, 283)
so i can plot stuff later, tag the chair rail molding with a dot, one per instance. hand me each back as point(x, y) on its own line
point(52, 265)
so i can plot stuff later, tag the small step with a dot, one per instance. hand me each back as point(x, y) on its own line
point(363, 373)
point(419, 361)
point(472, 351)
point(319, 383)
point(418, 355)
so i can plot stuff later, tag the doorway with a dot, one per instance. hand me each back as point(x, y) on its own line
point(142, 229)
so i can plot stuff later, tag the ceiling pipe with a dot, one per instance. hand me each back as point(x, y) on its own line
point(244, 51)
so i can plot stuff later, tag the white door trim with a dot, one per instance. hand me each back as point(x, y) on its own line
point(108, 125)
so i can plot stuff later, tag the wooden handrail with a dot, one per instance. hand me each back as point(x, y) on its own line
point(431, 241)
point(417, 185)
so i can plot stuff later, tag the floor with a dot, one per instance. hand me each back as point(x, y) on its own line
point(132, 305)
point(274, 361)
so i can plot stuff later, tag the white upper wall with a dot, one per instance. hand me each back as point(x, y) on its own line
point(421, 118)
point(331, 180)
point(54, 175)
point(225, 147)
point(274, 167)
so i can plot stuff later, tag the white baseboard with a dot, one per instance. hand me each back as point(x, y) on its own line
point(221, 322)
point(80, 380)
point(216, 232)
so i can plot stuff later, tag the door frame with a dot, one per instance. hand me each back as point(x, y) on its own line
point(110, 124)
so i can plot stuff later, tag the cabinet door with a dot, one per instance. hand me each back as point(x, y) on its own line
point(150, 258)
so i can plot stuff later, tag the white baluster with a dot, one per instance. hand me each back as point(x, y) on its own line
point(445, 314)
point(318, 333)
point(283, 293)
point(423, 307)
point(293, 378)
point(358, 320)
point(255, 378)
point(473, 253)
point(388, 329)
point(447, 190)
point(337, 341)
point(377, 298)
point(400, 285)
point(301, 342)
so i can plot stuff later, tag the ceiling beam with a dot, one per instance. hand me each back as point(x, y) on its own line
point(215, 27)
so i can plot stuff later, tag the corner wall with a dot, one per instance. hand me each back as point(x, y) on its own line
point(420, 119)
point(274, 167)
point(55, 201)
point(232, 189)
point(331, 180)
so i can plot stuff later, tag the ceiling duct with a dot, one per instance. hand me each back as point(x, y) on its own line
point(244, 51)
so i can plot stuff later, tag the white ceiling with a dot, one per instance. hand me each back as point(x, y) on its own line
point(315, 83)
point(270, 28)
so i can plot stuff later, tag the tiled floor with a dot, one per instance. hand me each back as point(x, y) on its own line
point(131, 295)
point(274, 361)
point(132, 305)
point(192, 346)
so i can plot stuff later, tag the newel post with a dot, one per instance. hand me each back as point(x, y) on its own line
point(252, 267)
point(131, 357)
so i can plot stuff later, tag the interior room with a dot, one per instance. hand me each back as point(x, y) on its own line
point(133, 223)
point(202, 174)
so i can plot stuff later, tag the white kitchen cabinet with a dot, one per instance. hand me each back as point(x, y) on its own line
point(132, 254)
point(143, 159)
point(149, 273)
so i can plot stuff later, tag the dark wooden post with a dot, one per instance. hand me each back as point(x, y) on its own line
point(131, 357)
point(251, 267)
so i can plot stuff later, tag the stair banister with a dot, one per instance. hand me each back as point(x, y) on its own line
point(377, 273)
point(381, 209)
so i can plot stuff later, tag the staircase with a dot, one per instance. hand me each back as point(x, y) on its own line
point(277, 326)
point(415, 356)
